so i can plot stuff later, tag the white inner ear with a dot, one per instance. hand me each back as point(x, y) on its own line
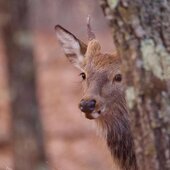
point(71, 46)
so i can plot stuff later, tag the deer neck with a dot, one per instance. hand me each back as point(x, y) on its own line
point(119, 137)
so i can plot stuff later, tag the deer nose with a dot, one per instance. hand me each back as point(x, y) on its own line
point(87, 106)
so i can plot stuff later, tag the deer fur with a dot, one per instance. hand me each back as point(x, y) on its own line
point(100, 83)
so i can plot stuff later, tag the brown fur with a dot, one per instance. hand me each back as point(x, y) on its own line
point(110, 110)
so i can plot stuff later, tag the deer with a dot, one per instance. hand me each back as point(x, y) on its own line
point(104, 93)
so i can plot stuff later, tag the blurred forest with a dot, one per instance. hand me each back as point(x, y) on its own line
point(41, 126)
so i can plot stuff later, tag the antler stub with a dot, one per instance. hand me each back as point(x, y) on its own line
point(90, 33)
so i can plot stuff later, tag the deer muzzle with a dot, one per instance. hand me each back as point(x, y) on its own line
point(88, 107)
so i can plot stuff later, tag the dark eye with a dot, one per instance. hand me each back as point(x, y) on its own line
point(118, 77)
point(83, 75)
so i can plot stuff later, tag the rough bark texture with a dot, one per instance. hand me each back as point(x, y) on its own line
point(26, 127)
point(141, 32)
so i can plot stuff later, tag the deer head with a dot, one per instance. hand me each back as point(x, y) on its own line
point(103, 98)
point(101, 73)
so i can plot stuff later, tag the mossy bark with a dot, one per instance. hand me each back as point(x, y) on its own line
point(141, 32)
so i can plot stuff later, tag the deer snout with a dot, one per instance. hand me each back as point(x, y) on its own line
point(87, 106)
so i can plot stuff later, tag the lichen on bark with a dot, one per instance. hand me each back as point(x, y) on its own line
point(155, 59)
point(113, 3)
point(130, 96)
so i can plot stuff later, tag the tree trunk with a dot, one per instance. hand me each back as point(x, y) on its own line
point(26, 127)
point(141, 32)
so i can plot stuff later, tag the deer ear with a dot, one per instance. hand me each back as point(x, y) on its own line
point(74, 48)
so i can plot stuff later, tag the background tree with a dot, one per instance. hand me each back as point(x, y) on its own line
point(141, 32)
point(26, 125)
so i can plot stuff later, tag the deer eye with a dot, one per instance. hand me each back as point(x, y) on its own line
point(83, 75)
point(118, 77)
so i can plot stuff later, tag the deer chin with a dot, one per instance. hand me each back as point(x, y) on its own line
point(93, 115)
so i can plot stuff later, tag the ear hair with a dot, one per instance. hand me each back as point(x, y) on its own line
point(74, 48)
point(93, 48)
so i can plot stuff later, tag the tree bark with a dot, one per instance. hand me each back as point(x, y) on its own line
point(26, 126)
point(141, 32)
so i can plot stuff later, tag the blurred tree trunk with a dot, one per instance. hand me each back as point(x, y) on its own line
point(26, 127)
point(141, 32)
